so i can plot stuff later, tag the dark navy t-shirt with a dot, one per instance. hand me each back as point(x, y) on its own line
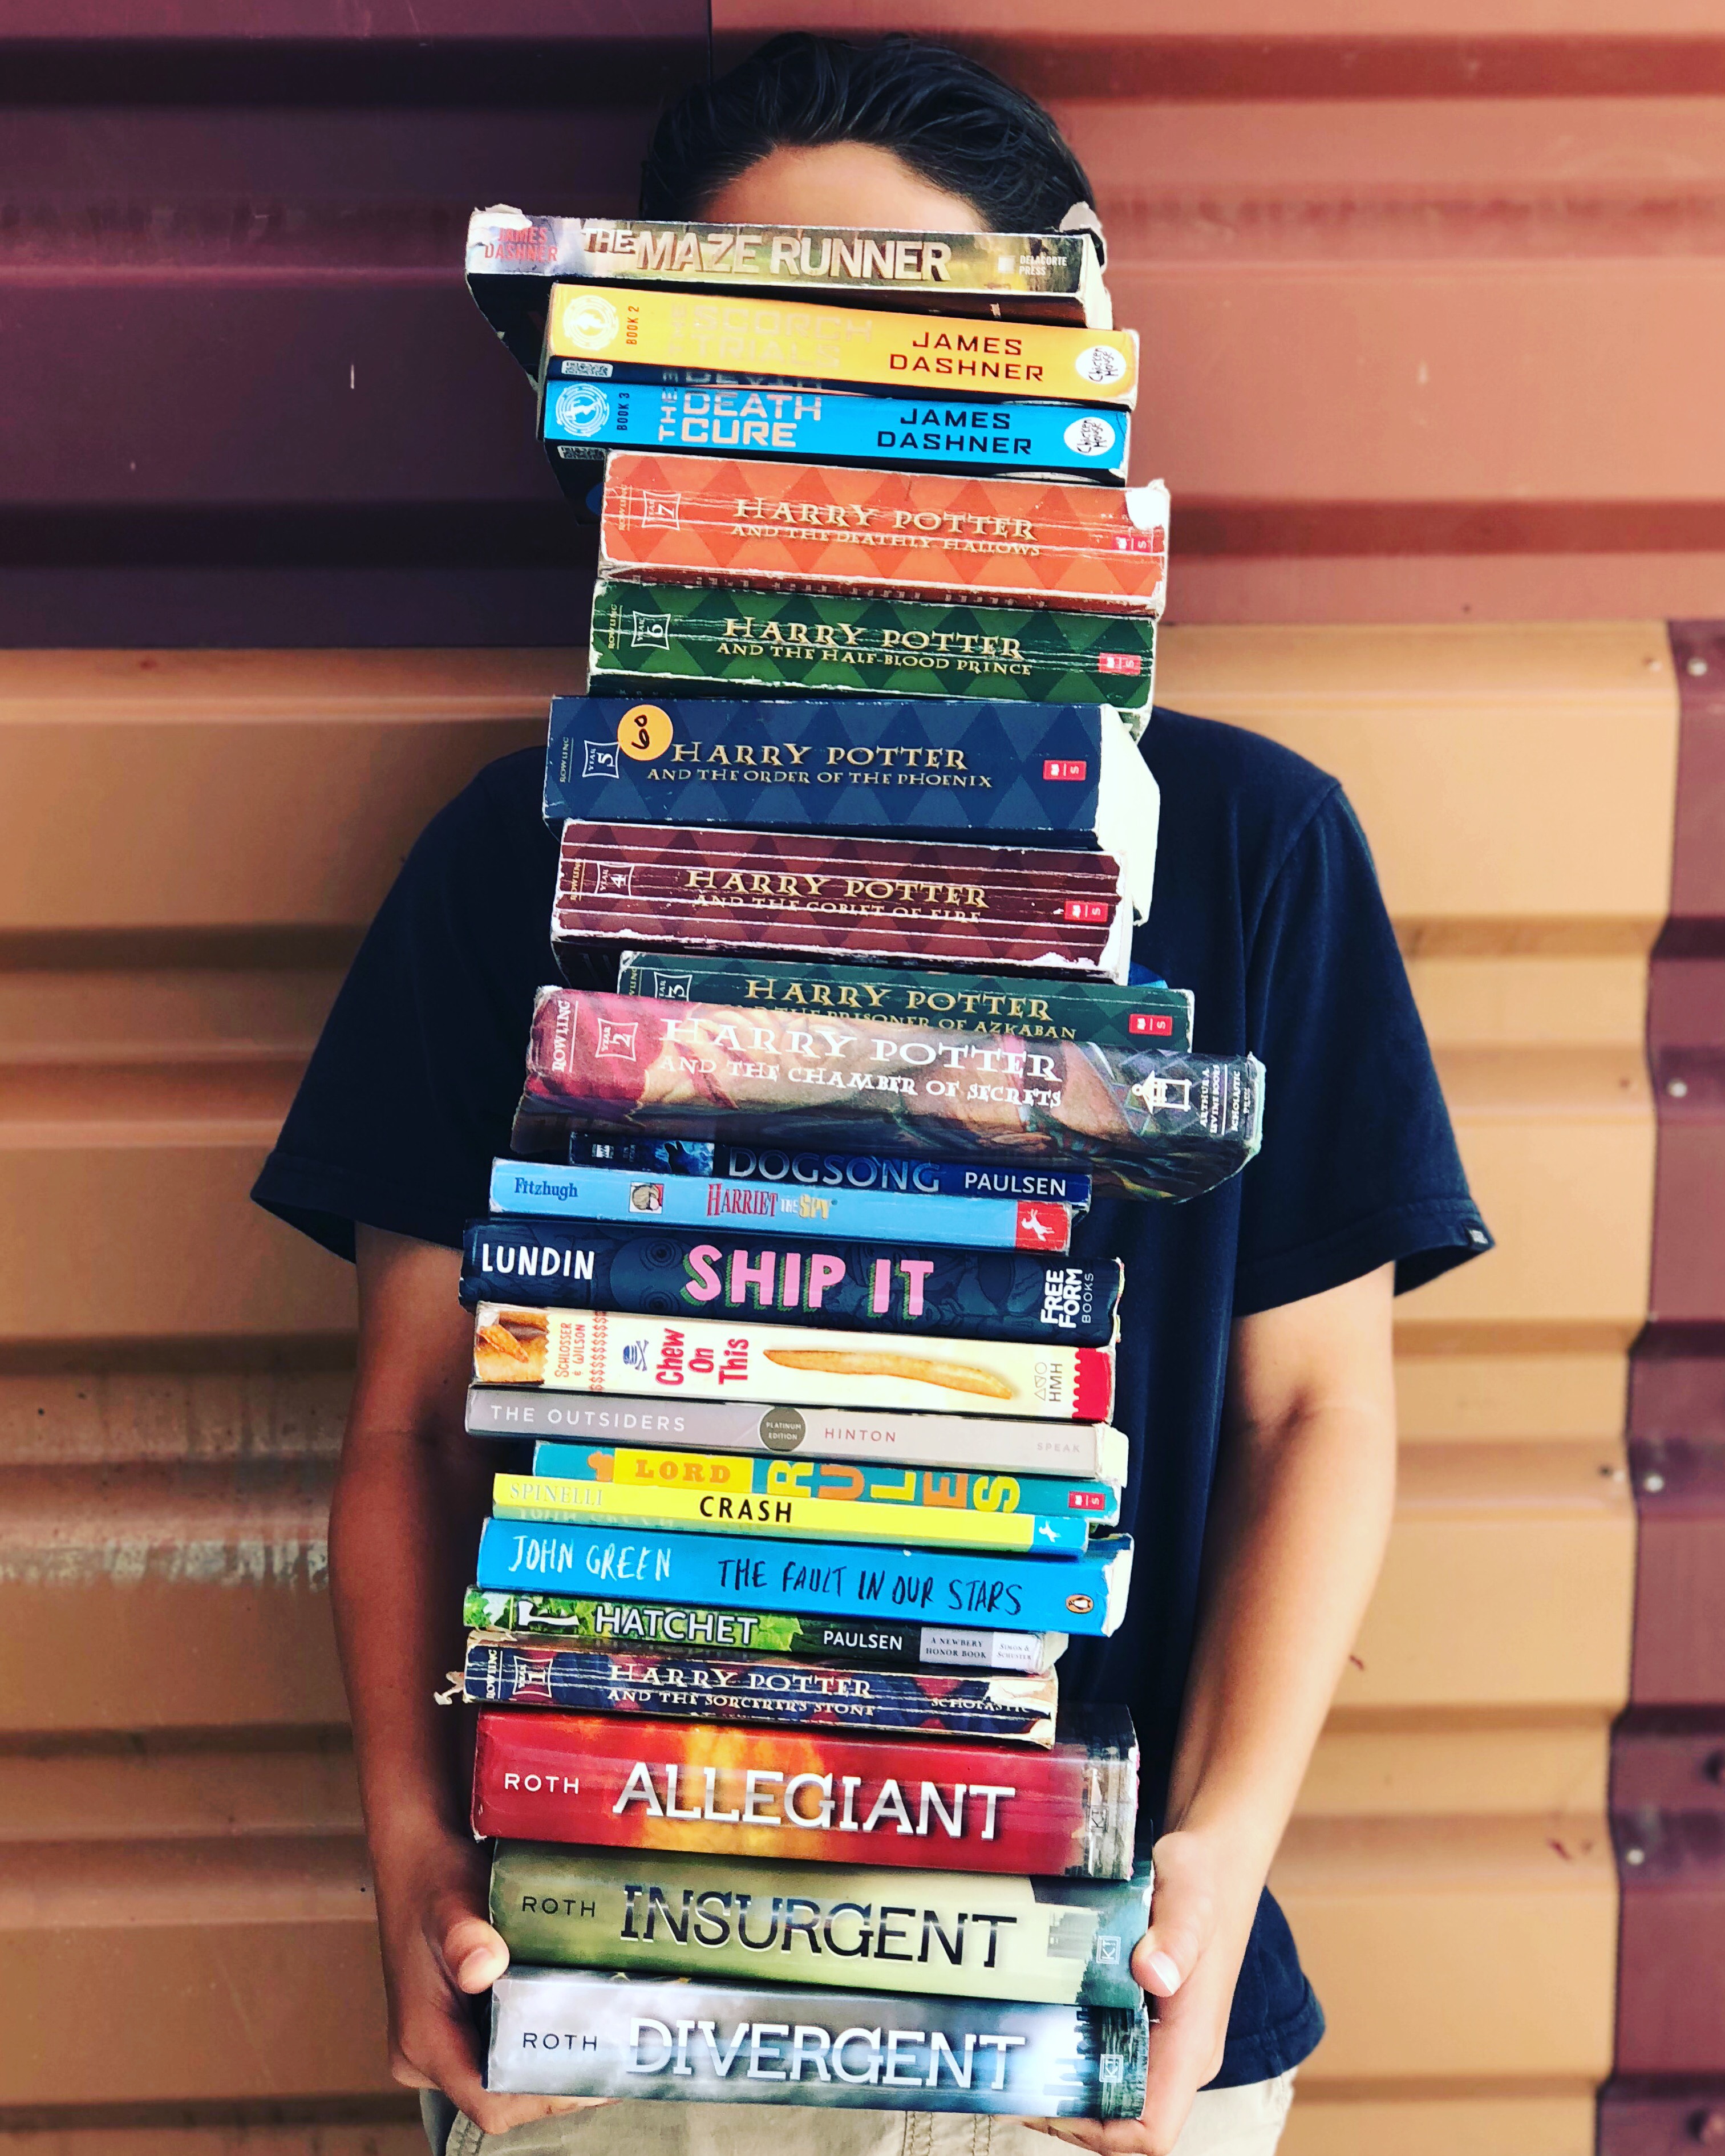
point(1266, 905)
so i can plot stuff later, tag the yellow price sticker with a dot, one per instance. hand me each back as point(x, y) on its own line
point(643, 732)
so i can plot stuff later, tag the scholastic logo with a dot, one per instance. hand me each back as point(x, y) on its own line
point(1064, 768)
point(617, 1041)
point(1119, 662)
point(1149, 1021)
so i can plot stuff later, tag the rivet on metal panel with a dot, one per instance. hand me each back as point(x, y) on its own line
point(1635, 1856)
point(1678, 1089)
point(1654, 1483)
point(1708, 2128)
point(1696, 666)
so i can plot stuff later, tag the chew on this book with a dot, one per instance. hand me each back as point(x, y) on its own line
point(1153, 1124)
point(1054, 1942)
point(568, 2032)
point(828, 1797)
point(1058, 775)
point(607, 1351)
point(1011, 908)
point(610, 332)
point(1085, 1595)
point(928, 535)
point(514, 259)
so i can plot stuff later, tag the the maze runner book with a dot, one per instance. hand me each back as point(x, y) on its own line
point(848, 1481)
point(613, 333)
point(1060, 775)
point(1011, 908)
point(1153, 1124)
point(1057, 1942)
point(744, 1692)
point(977, 1222)
point(820, 1172)
point(656, 633)
point(610, 1351)
point(570, 2032)
point(953, 1002)
point(902, 1287)
point(553, 1497)
point(1085, 1595)
point(1082, 1452)
point(514, 259)
point(912, 534)
point(829, 1796)
point(582, 421)
point(683, 1626)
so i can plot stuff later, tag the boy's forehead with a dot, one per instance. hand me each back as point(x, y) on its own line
point(840, 183)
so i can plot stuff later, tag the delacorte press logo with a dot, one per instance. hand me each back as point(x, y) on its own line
point(588, 320)
point(581, 409)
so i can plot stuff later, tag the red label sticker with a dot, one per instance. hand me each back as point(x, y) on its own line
point(1086, 909)
point(1119, 662)
point(1043, 1228)
point(1086, 1501)
point(1138, 542)
point(1149, 1021)
point(1064, 767)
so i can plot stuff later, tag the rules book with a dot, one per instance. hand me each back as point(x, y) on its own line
point(904, 1287)
point(1055, 1942)
point(931, 536)
point(1078, 1452)
point(821, 1172)
point(1085, 1595)
point(747, 1693)
point(827, 1796)
point(684, 1626)
point(571, 2032)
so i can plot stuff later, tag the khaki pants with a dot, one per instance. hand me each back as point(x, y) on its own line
point(1230, 2122)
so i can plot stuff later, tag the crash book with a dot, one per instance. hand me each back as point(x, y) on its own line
point(611, 1351)
point(1082, 1452)
point(1085, 1595)
point(1057, 775)
point(1148, 1017)
point(513, 260)
point(904, 1287)
point(653, 635)
point(659, 1200)
point(802, 894)
point(821, 1170)
point(969, 1935)
point(573, 2032)
point(748, 1691)
point(614, 333)
point(1145, 1123)
point(826, 1796)
point(931, 536)
point(599, 1622)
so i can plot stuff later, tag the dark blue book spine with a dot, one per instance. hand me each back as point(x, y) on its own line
point(882, 1286)
point(832, 1171)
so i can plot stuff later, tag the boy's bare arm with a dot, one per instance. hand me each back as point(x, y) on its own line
point(1304, 1485)
point(409, 1496)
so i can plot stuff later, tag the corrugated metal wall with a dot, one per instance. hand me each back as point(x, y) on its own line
point(1425, 296)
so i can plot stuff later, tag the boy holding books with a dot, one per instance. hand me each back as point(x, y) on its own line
point(1254, 1380)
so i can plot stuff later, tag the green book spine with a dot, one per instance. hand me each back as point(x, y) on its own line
point(792, 640)
point(972, 1935)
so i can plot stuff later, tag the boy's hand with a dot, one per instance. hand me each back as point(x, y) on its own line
point(1189, 1961)
point(438, 1951)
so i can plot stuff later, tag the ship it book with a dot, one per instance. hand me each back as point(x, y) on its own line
point(744, 1693)
point(930, 535)
point(1052, 1942)
point(568, 2032)
point(1085, 1595)
point(825, 1796)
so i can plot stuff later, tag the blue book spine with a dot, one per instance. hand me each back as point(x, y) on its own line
point(1084, 1594)
point(600, 1193)
point(817, 426)
point(832, 1171)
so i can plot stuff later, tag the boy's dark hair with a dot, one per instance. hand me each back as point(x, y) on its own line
point(952, 121)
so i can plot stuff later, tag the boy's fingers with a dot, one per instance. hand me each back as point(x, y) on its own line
point(473, 1952)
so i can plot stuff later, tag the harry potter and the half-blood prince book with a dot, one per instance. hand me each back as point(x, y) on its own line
point(569, 2032)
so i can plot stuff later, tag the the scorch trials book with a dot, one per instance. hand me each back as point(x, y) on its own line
point(655, 634)
point(707, 1627)
point(570, 2032)
point(1058, 1942)
point(829, 1797)
point(928, 535)
point(905, 1287)
point(745, 1692)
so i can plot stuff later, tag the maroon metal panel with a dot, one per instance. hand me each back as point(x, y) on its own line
point(247, 399)
point(1668, 1752)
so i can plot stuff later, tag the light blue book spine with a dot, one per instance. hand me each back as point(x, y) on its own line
point(688, 1201)
point(1084, 1595)
point(1097, 1504)
point(819, 426)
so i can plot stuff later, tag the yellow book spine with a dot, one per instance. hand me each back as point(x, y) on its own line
point(620, 325)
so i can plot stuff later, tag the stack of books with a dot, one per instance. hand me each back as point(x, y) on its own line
point(780, 1283)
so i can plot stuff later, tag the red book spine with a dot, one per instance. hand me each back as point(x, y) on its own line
point(943, 1805)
